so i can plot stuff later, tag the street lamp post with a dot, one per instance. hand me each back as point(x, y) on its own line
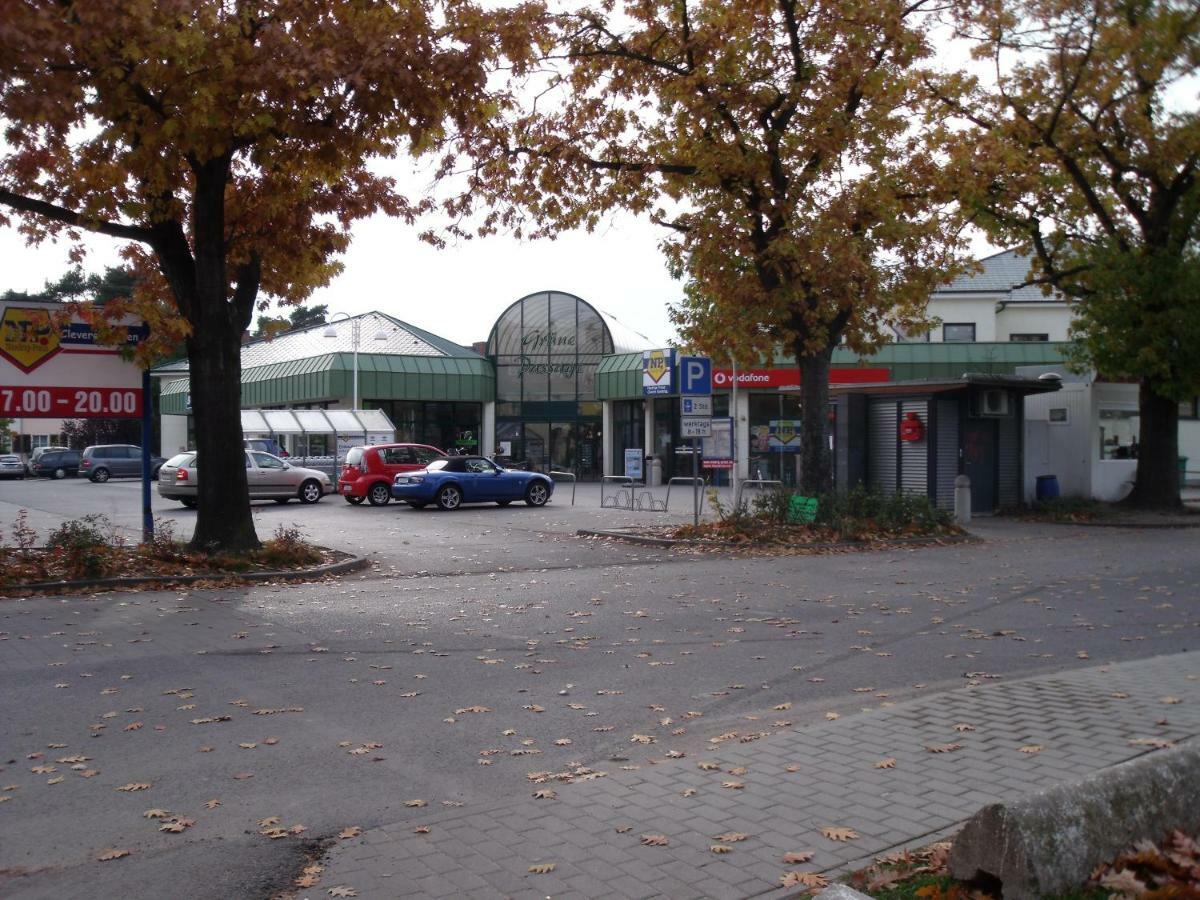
point(355, 333)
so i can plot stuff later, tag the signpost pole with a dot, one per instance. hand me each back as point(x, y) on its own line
point(147, 434)
point(733, 410)
point(696, 482)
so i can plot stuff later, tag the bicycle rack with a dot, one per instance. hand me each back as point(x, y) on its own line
point(760, 482)
point(623, 498)
point(682, 479)
point(557, 475)
point(647, 503)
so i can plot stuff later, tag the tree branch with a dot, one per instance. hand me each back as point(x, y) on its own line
point(69, 217)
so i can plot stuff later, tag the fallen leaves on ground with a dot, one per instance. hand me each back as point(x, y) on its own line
point(542, 868)
point(135, 786)
point(1156, 743)
point(342, 891)
point(796, 858)
point(112, 853)
point(837, 833)
point(942, 748)
point(655, 840)
point(804, 879)
point(1032, 748)
point(889, 763)
point(352, 832)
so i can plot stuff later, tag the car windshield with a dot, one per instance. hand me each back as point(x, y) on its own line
point(354, 457)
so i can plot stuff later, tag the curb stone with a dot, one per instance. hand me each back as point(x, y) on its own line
point(341, 567)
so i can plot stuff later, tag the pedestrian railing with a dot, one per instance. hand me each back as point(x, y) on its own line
point(760, 483)
point(622, 497)
point(682, 479)
point(557, 475)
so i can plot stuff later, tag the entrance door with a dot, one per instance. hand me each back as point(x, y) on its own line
point(979, 463)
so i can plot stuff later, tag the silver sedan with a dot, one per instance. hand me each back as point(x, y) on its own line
point(268, 477)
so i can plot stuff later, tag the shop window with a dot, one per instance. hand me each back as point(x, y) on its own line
point(958, 332)
point(1058, 415)
point(1188, 408)
point(1029, 338)
point(1119, 428)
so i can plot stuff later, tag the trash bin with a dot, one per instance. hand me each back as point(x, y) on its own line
point(1183, 461)
point(654, 476)
point(1047, 488)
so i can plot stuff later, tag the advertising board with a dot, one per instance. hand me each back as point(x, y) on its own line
point(51, 368)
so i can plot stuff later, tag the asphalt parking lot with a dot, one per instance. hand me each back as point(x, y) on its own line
point(387, 533)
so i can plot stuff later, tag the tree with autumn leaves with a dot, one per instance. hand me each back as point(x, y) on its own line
point(1084, 147)
point(230, 144)
point(780, 145)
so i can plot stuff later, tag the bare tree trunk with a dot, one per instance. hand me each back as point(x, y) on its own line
point(223, 519)
point(816, 463)
point(1156, 485)
point(198, 280)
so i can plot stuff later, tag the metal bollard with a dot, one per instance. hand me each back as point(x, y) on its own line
point(962, 500)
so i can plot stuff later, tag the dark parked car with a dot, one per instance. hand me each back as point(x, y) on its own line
point(104, 461)
point(57, 464)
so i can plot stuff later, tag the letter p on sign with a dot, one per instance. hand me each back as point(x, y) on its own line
point(695, 375)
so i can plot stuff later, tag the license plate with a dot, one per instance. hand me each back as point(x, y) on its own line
point(348, 488)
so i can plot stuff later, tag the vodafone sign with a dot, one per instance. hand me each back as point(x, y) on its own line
point(55, 369)
point(788, 379)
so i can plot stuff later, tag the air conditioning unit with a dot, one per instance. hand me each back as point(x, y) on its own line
point(992, 402)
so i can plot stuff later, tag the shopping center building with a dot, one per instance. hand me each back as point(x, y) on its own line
point(558, 384)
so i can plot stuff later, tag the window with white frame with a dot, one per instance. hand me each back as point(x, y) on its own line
point(958, 332)
point(1119, 428)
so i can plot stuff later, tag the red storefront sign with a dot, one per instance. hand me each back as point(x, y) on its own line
point(789, 378)
point(19, 401)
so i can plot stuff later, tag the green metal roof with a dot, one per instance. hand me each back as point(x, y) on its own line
point(331, 377)
point(619, 376)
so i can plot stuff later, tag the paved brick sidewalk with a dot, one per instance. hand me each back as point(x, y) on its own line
point(796, 782)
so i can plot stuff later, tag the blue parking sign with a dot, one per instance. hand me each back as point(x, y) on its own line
point(695, 375)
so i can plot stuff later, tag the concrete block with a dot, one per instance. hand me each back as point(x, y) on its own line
point(1050, 841)
point(838, 891)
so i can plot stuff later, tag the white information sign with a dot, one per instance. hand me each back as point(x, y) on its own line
point(633, 463)
point(695, 426)
point(696, 406)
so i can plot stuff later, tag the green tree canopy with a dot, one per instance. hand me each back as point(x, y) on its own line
point(1086, 150)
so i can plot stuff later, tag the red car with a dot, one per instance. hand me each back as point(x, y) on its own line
point(368, 471)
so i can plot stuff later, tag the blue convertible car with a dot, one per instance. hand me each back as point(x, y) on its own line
point(456, 480)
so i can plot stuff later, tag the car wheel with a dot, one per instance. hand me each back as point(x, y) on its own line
point(310, 492)
point(354, 501)
point(537, 493)
point(60, 473)
point(416, 504)
point(449, 497)
point(100, 476)
point(379, 494)
point(189, 502)
point(503, 502)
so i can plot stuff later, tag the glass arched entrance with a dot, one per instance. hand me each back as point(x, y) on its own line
point(546, 348)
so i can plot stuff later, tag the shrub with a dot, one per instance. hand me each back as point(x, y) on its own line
point(83, 547)
point(859, 512)
point(288, 548)
point(163, 544)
